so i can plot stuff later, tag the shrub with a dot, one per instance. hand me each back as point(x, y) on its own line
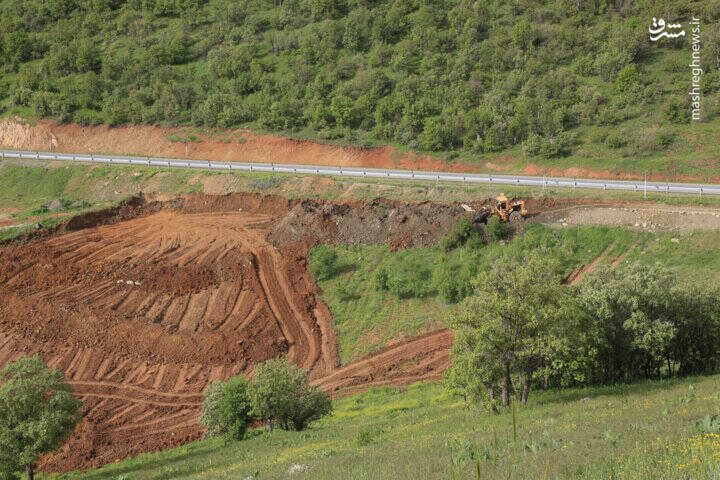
point(451, 284)
point(226, 410)
point(615, 140)
point(627, 79)
point(654, 138)
point(675, 112)
point(558, 145)
point(497, 229)
point(281, 394)
point(324, 263)
point(381, 279)
point(460, 234)
point(410, 277)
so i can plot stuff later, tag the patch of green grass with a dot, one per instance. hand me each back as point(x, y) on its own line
point(367, 319)
point(642, 431)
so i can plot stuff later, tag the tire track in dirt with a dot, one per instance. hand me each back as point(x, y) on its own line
point(577, 275)
point(144, 312)
point(424, 357)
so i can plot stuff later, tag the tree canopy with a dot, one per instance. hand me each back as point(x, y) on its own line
point(521, 327)
point(281, 394)
point(429, 74)
point(37, 412)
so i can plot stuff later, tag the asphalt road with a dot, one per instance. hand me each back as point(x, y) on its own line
point(517, 180)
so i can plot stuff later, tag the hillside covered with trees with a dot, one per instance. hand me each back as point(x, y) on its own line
point(432, 75)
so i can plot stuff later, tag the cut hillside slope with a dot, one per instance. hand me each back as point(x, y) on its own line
point(243, 145)
point(145, 304)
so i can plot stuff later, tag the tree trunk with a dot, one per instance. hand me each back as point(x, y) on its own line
point(506, 385)
point(525, 390)
point(270, 425)
point(493, 406)
point(30, 472)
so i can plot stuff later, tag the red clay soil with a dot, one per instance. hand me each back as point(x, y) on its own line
point(229, 146)
point(246, 146)
point(145, 304)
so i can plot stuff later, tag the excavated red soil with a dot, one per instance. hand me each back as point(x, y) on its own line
point(145, 304)
point(228, 145)
point(242, 145)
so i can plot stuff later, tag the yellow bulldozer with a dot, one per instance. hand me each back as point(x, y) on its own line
point(507, 210)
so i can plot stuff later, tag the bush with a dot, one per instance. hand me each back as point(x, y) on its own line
point(675, 112)
point(627, 79)
point(460, 234)
point(410, 277)
point(558, 145)
point(452, 284)
point(381, 279)
point(226, 410)
point(281, 394)
point(615, 140)
point(324, 263)
point(497, 229)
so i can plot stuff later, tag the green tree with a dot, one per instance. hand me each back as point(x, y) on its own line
point(497, 229)
point(37, 413)
point(636, 308)
point(507, 327)
point(342, 108)
point(226, 409)
point(281, 394)
point(324, 262)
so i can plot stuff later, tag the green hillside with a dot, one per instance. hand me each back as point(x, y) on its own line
point(367, 318)
point(650, 431)
point(578, 81)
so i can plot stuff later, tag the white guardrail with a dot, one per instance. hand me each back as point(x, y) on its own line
point(519, 180)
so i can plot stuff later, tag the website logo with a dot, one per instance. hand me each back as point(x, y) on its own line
point(659, 29)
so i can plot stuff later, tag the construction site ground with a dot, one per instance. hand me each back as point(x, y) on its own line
point(145, 304)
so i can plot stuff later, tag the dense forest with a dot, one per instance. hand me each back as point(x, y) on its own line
point(476, 76)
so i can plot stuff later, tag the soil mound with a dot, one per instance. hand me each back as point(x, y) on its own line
point(371, 222)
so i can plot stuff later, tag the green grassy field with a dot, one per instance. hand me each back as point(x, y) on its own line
point(367, 319)
point(642, 431)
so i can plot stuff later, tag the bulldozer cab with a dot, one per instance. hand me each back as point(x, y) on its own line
point(501, 203)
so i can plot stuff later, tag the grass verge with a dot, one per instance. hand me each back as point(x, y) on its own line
point(643, 431)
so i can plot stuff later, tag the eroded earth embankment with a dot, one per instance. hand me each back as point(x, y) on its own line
point(145, 304)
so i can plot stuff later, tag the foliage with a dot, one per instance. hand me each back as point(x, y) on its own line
point(280, 393)
point(621, 325)
point(459, 75)
point(511, 325)
point(226, 409)
point(643, 431)
point(497, 229)
point(37, 412)
point(324, 263)
point(647, 320)
point(460, 234)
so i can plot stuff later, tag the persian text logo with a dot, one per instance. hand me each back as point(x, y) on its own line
point(659, 29)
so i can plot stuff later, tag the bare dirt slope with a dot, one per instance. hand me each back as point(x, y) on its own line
point(230, 145)
point(247, 146)
point(145, 304)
